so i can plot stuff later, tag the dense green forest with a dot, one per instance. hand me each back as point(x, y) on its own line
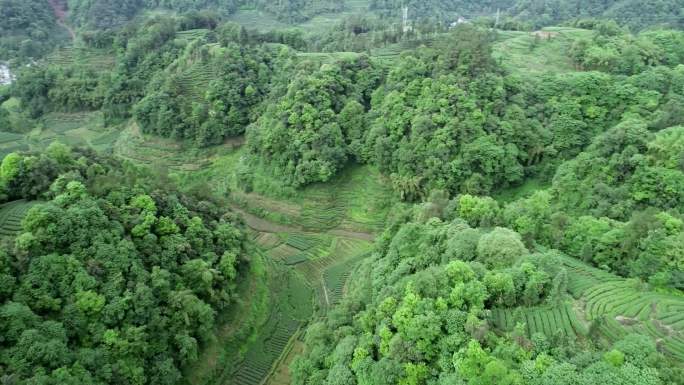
point(538, 13)
point(107, 13)
point(112, 278)
point(417, 314)
point(317, 192)
point(28, 30)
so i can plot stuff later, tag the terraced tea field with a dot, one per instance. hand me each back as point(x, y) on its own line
point(329, 275)
point(264, 21)
point(131, 144)
point(11, 215)
point(547, 321)
point(11, 142)
point(327, 57)
point(605, 308)
point(96, 60)
point(290, 309)
point(550, 50)
point(335, 278)
point(391, 52)
point(9, 137)
point(254, 19)
point(61, 122)
point(355, 202)
point(194, 81)
point(192, 34)
point(618, 306)
point(78, 129)
point(310, 272)
point(316, 236)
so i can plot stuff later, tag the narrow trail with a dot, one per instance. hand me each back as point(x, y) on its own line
point(59, 8)
point(325, 291)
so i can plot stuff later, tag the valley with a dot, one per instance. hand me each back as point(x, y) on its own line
point(358, 192)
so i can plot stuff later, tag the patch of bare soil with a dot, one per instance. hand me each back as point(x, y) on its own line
point(626, 321)
point(59, 7)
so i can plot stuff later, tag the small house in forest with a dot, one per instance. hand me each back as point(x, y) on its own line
point(461, 20)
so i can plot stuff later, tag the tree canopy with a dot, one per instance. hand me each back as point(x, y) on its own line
point(111, 280)
point(414, 315)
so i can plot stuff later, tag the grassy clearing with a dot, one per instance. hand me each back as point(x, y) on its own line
point(355, 200)
point(529, 187)
point(513, 50)
point(258, 20)
point(167, 154)
point(326, 57)
point(263, 21)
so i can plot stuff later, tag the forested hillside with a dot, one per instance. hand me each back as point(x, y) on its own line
point(28, 30)
point(35, 20)
point(539, 13)
point(316, 192)
point(418, 314)
point(636, 14)
point(111, 279)
point(114, 13)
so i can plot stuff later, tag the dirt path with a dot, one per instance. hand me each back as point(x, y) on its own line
point(325, 291)
point(59, 8)
point(353, 234)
